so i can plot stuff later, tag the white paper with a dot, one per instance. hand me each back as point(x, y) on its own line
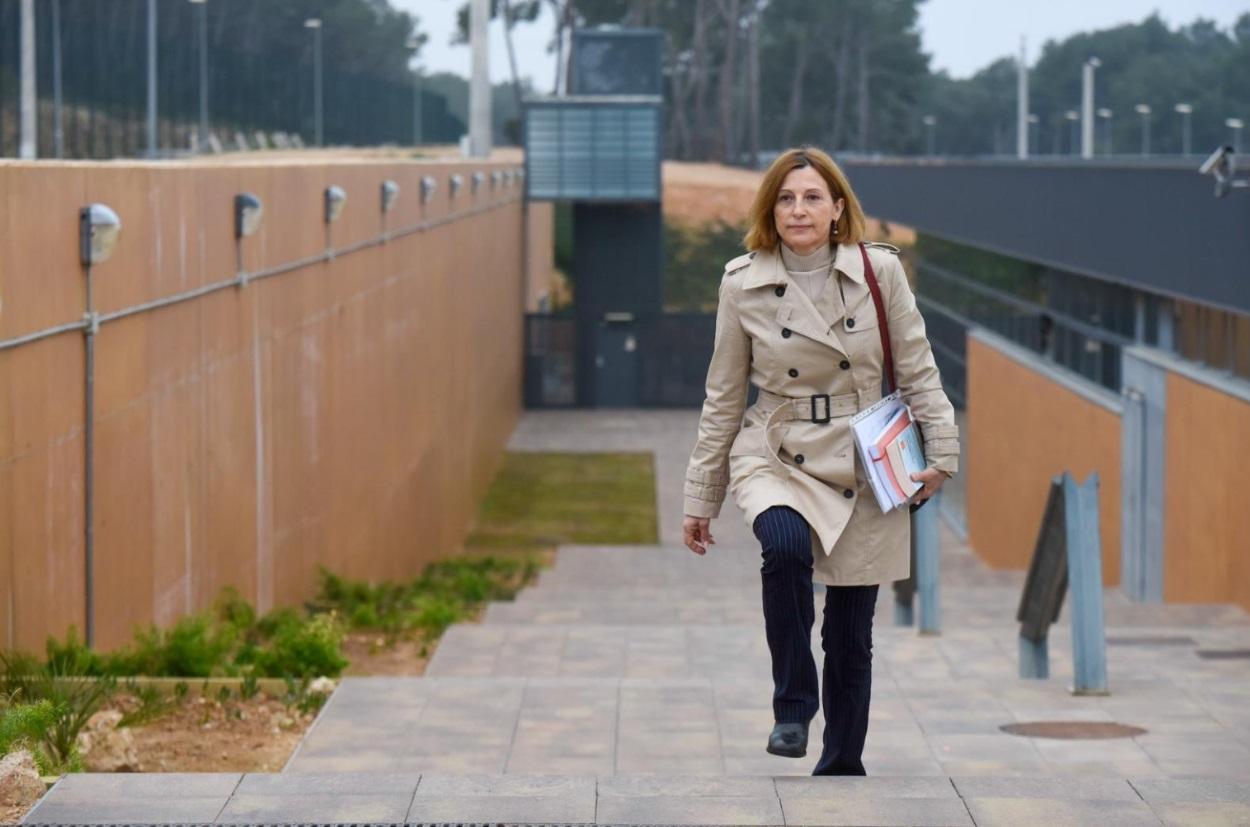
point(866, 426)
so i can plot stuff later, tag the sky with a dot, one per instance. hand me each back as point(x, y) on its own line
point(961, 35)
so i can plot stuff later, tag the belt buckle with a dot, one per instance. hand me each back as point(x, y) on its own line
point(828, 409)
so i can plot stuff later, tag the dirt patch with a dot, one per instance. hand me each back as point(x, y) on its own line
point(370, 655)
point(201, 734)
point(700, 194)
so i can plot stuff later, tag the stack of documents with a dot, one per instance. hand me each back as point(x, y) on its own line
point(891, 449)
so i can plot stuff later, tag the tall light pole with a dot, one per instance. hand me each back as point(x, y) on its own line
point(1235, 125)
point(1104, 115)
point(58, 121)
point(314, 23)
point(28, 146)
point(1087, 106)
point(1022, 104)
point(1143, 109)
point(479, 79)
point(930, 125)
point(152, 141)
point(1074, 118)
point(203, 48)
point(414, 44)
point(1185, 111)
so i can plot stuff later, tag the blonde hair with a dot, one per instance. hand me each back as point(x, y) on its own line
point(848, 229)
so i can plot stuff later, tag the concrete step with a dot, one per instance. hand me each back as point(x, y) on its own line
point(637, 799)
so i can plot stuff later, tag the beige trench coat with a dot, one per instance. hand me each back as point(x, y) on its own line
point(770, 334)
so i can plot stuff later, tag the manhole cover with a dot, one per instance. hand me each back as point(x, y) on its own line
point(1073, 730)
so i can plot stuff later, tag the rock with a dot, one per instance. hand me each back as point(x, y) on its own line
point(321, 686)
point(109, 751)
point(20, 785)
point(105, 719)
point(286, 722)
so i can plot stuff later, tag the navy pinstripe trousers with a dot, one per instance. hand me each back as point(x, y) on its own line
point(846, 637)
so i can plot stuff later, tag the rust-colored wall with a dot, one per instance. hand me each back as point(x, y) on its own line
point(348, 414)
point(1207, 523)
point(1024, 429)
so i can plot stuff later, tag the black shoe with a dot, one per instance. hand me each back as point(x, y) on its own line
point(789, 740)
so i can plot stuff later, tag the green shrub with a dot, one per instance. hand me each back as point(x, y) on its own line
point(24, 725)
point(306, 649)
point(73, 695)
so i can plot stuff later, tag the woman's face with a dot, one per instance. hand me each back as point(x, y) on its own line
point(805, 210)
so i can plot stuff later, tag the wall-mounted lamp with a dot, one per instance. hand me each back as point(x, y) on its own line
point(507, 177)
point(98, 228)
point(495, 178)
point(247, 214)
point(390, 194)
point(336, 200)
point(457, 181)
point(428, 187)
point(478, 179)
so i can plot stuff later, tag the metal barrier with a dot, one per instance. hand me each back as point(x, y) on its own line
point(1067, 547)
point(925, 579)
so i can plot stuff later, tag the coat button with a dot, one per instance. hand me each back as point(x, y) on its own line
point(785, 333)
point(850, 322)
point(780, 291)
point(848, 493)
point(793, 372)
point(845, 365)
point(798, 459)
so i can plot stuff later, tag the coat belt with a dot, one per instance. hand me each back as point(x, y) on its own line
point(819, 408)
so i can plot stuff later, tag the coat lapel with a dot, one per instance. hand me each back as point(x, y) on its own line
point(794, 310)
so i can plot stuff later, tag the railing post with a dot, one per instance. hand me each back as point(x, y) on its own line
point(925, 525)
point(1089, 651)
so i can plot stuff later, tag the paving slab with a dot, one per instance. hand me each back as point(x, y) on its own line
point(516, 799)
point(685, 799)
point(118, 798)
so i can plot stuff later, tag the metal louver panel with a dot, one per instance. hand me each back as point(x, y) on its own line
point(590, 151)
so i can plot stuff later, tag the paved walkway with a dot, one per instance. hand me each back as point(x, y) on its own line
point(631, 686)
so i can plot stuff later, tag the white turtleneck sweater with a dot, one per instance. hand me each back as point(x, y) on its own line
point(810, 272)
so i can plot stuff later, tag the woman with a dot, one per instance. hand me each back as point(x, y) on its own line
point(798, 320)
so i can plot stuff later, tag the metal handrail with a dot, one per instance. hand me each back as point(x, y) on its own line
point(1060, 318)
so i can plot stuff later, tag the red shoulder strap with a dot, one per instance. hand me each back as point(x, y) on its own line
point(882, 324)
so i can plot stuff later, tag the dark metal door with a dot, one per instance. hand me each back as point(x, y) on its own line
point(616, 362)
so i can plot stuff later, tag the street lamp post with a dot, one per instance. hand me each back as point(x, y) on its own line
point(1104, 115)
point(1074, 118)
point(1087, 106)
point(202, 14)
point(314, 23)
point(1143, 109)
point(1185, 110)
point(416, 96)
point(1235, 125)
point(930, 125)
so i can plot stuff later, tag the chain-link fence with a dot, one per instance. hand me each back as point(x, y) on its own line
point(259, 80)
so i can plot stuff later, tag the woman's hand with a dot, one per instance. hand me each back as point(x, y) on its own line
point(932, 479)
point(696, 533)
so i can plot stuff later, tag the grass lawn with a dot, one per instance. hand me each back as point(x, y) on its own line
point(544, 499)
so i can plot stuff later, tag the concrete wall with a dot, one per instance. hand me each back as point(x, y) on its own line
point(1206, 519)
point(1024, 427)
point(349, 413)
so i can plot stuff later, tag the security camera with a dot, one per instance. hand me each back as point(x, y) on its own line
point(1223, 165)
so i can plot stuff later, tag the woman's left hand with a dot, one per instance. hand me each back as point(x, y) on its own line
point(932, 479)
